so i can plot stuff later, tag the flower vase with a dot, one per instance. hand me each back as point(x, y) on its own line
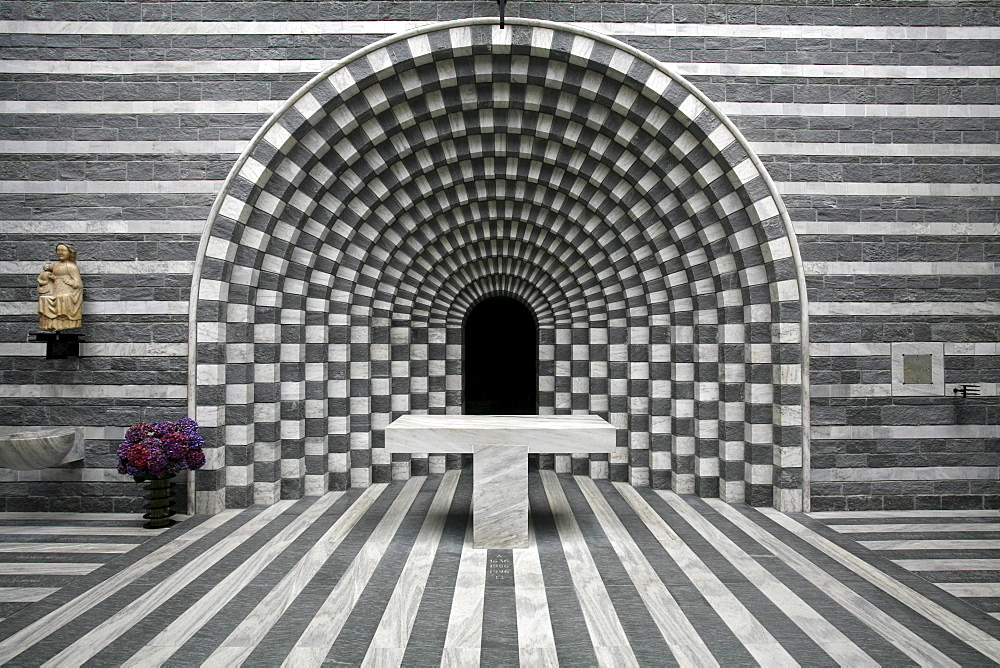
point(159, 501)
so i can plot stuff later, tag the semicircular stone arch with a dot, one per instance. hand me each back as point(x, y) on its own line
point(452, 163)
point(453, 312)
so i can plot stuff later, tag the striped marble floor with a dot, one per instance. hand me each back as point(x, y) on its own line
point(42, 552)
point(958, 550)
point(613, 576)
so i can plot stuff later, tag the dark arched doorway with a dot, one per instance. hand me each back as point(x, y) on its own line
point(500, 376)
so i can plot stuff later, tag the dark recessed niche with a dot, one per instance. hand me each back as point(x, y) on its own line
point(501, 359)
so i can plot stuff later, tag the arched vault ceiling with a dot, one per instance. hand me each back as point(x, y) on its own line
point(656, 250)
point(491, 238)
point(355, 194)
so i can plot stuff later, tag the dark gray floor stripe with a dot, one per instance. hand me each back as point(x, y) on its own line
point(356, 636)
point(726, 648)
point(985, 604)
point(44, 581)
point(28, 539)
point(430, 628)
point(133, 521)
point(8, 609)
point(573, 644)
point(918, 535)
point(935, 635)
point(59, 557)
point(640, 629)
point(769, 614)
point(958, 576)
point(499, 640)
point(872, 521)
point(891, 555)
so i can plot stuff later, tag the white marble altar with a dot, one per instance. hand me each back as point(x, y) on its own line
point(500, 445)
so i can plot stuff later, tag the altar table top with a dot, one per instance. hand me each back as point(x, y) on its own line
point(460, 433)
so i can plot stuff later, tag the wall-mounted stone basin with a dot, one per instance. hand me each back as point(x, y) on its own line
point(33, 448)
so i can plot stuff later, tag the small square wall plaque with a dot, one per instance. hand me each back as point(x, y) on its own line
point(917, 369)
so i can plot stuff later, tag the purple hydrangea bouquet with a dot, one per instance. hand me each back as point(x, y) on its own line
point(153, 451)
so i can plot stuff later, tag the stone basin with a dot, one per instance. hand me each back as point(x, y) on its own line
point(33, 448)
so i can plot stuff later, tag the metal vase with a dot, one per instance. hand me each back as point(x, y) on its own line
point(159, 503)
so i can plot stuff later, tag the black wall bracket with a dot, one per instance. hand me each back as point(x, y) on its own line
point(967, 390)
point(59, 345)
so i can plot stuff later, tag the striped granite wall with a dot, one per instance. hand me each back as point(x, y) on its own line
point(119, 122)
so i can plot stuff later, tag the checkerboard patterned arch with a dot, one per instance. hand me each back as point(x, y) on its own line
point(459, 161)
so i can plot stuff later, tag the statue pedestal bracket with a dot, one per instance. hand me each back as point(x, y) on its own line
point(59, 345)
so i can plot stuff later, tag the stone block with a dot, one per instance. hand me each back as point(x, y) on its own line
point(500, 496)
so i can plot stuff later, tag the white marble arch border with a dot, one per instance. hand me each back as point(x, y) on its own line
point(551, 25)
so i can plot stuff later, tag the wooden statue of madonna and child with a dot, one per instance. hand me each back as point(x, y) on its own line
point(60, 304)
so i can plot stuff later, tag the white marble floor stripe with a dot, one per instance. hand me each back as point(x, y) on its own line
point(930, 544)
point(393, 634)
point(167, 642)
point(247, 635)
point(463, 641)
point(118, 624)
point(536, 644)
point(30, 635)
point(949, 564)
point(69, 548)
point(688, 647)
point(914, 528)
point(827, 636)
point(25, 594)
point(611, 645)
point(660, 529)
point(314, 644)
point(887, 626)
point(971, 589)
point(77, 531)
point(46, 568)
point(747, 629)
point(947, 620)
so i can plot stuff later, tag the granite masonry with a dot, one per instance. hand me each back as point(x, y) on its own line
point(760, 239)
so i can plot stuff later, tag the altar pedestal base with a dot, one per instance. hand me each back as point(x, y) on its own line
point(499, 496)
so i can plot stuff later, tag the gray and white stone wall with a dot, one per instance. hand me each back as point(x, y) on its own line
point(879, 125)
